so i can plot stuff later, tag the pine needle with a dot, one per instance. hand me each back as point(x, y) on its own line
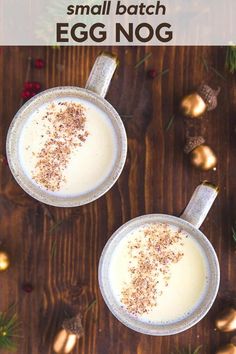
point(47, 211)
point(206, 66)
point(56, 225)
point(146, 57)
point(230, 61)
point(234, 232)
point(53, 249)
point(196, 351)
point(9, 328)
point(90, 306)
point(62, 222)
point(169, 123)
point(162, 73)
point(210, 67)
point(188, 350)
point(218, 73)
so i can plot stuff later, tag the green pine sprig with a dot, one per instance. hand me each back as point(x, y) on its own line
point(169, 123)
point(145, 58)
point(9, 329)
point(234, 231)
point(230, 62)
point(189, 350)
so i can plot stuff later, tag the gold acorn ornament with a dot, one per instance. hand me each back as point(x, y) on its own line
point(67, 337)
point(200, 154)
point(4, 261)
point(197, 103)
point(226, 320)
point(227, 349)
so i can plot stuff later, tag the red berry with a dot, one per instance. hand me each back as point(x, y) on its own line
point(39, 63)
point(152, 73)
point(26, 94)
point(27, 287)
point(36, 86)
point(28, 85)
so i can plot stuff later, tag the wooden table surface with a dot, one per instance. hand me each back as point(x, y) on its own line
point(57, 250)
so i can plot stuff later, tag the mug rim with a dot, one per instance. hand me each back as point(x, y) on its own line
point(38, 193)
point(158, 329)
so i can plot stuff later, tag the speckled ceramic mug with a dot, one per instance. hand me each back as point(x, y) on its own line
point(189, 221)
point(94, 92)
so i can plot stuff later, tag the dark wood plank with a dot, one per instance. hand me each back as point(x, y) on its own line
point(157, 178)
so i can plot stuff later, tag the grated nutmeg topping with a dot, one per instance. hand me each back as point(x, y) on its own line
point(65, 134)
point(152, 255)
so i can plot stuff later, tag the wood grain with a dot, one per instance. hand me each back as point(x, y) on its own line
point(61, 262)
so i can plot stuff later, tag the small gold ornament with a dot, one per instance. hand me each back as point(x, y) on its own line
point(227, 349)
point(67, 337)
point(197, 103)
point(200, 154)
point(226, 320)
point(4, 261)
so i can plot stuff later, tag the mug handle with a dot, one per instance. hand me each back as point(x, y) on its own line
point(200, 204)
point(102, 72)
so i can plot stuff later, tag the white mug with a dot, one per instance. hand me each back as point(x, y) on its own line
point(189, 221)
point(94, 92)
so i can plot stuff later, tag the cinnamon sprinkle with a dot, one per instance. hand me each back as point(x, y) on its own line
point(153, 254)
point(65, 134)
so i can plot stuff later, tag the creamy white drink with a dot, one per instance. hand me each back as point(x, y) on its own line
point(158, 273)
point(68, 147)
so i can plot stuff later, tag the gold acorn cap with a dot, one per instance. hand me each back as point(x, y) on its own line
point(192, 142)
point(74, 326)
point(208, 95)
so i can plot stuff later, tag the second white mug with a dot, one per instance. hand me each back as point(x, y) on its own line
point(159, 274)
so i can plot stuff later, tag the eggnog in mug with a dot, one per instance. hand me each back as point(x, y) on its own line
point(158, 273)
point(68, 146)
